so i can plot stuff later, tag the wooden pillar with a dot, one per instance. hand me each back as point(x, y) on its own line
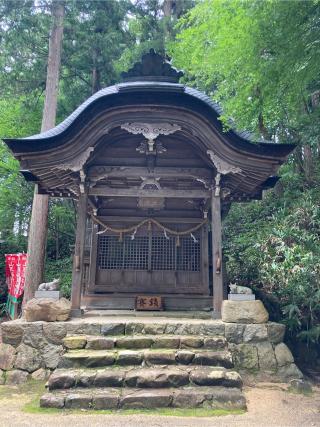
point(216, 231)
point(78, 262)
point(93, 257)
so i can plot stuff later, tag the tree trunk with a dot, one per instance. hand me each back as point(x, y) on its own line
point(307, 162)
point(298, 160)
point(167, 13)
point(37, 240)
point(57, 239)
point(264, 132)
point(278, 189)
point(39, 217)
point(54, 60)
point(262, 128)
point(95, 73)
point(167, 8)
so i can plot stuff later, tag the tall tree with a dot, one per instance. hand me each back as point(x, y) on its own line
point(151, 24)
point(260, 60)
point(24, 27)
point(95, 34)
point(39, 217)
point(15, 193)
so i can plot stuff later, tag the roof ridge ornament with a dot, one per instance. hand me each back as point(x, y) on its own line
point(152, 67)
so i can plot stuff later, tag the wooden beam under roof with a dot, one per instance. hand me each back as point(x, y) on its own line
point(137, 192)
point(136, 171)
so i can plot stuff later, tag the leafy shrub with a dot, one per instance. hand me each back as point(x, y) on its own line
point(273, 246)
point(61, 269)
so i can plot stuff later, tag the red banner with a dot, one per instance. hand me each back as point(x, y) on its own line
point(15, 270)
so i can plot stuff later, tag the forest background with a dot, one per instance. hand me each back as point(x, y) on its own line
point(258, 59)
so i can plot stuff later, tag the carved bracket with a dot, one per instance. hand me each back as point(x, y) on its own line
point(222, 166)
point(77, 163)
point(204, 182)
point(83, 179)
point(150, 131)
point(217, 186)
point(150, 183)
point(98, 173)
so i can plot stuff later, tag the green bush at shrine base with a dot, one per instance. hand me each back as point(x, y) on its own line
point(273, 246)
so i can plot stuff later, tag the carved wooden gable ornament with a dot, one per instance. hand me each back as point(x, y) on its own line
point(153, 67)
point(150, 131)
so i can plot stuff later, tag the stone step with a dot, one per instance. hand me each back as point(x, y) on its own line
point(112, 398)
point(150, 326)
point(144, 377)
point(100, 358)
point(131, 314)
point(77, 342)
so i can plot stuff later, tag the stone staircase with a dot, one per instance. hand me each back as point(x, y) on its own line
point(135, 370)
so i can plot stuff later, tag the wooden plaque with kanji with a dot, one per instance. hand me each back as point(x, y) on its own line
point(144, 302)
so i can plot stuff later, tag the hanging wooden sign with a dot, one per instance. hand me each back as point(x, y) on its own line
point(149, 302)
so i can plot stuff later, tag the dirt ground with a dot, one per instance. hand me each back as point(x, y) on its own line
point(268, 405)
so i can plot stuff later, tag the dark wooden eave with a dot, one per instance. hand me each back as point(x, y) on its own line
point(41, 155)
point(151, 93)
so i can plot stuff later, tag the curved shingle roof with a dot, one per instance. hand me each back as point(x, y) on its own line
point(245, 140)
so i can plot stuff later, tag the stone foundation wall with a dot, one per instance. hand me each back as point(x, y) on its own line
point(34, 349)
point(259, 348)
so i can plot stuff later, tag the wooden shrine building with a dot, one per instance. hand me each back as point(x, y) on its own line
point(152, 171)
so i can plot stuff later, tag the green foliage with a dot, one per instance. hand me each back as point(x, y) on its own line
point(19, 117)
point(151, 26)
point(16, 119)
point(61, 269)
point(259, 59)
point(24, 46)
point(274, 244)
point(61, 228)
point(101, 38)
point(95, 35)
point(312, 335)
